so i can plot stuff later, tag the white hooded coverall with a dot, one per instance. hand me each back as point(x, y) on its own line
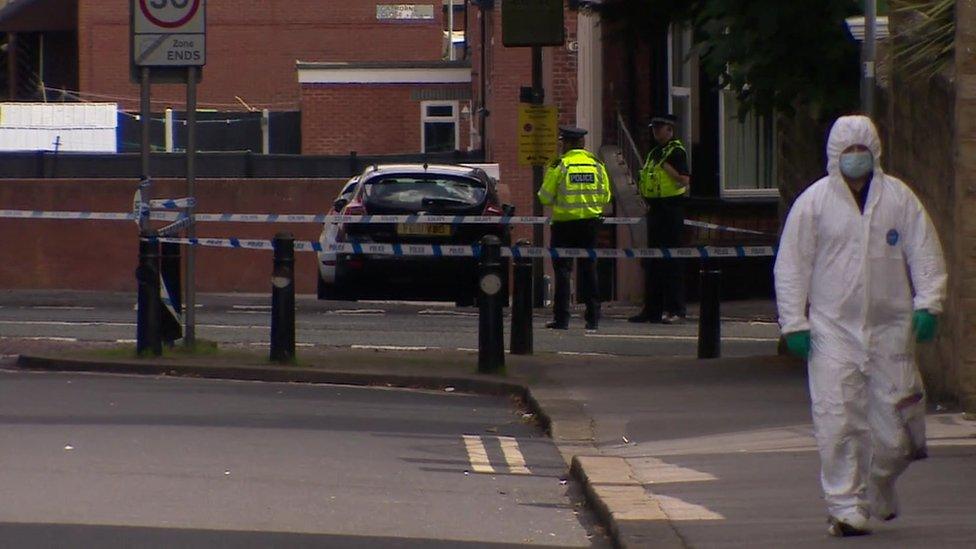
point(857, 272)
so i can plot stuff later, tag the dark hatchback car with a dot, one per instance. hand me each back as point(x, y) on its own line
point(415, 189)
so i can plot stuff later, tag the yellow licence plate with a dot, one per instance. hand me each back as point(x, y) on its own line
point(423, 229)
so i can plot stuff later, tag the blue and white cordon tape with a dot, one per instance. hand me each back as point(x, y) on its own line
point(437, 250)
point(322, 218)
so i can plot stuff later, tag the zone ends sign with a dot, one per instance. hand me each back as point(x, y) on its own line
point(169, 33)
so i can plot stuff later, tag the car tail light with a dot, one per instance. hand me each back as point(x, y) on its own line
point(354, 208)
point(493, 210)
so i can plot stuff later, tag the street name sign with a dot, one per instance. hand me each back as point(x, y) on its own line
point(169, 33)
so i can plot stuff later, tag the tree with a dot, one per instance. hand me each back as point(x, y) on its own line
point(775, 55)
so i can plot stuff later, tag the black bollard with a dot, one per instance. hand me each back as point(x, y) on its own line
point(283, 299)
point(149, 306)
point(709, 320)
point(491, 336)
point(521, 336)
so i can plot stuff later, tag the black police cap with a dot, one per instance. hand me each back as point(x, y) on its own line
point(571, 132)
point(662, 119)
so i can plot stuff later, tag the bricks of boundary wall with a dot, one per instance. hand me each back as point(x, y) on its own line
point(252, 46)
point(101, 255)
point(368, 119)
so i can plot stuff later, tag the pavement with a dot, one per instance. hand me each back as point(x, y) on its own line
point(670, 451)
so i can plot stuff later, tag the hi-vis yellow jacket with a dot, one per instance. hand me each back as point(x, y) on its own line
point(576, 186)
point(654, 181)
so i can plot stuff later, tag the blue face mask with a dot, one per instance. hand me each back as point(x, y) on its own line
point(856, 164)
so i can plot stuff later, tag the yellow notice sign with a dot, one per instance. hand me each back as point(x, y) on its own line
point(537, 134)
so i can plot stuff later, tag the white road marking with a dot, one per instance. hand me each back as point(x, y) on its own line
point(513, 456)
point(43, 338)
point(477, 454)
point(119, 324)
point(393, 347)
point(353, 312)
point(679, 337)
point(61, 308)
point(251, 307)
point(444, 312)
point(64, 323)
point(126, 341)
point(579, 353)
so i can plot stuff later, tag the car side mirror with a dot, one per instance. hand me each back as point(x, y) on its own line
point(508, 209)
point(340, 203)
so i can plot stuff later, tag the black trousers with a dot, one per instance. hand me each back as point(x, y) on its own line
point(664, 283)
point(575, 234)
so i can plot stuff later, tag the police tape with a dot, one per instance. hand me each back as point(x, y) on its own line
point(322, 218)
point(713, 226)
point(438, 250)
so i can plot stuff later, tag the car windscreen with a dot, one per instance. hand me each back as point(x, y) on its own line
point(424, 192)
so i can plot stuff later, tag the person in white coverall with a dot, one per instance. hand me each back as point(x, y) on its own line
point(860, 250)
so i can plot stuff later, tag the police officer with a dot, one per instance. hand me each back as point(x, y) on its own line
point(663, 184)
point(577, 187)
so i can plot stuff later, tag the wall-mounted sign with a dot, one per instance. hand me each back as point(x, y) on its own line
point(386, 12)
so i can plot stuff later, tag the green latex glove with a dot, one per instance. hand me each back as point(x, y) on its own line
point(799, 343)
point(924, 325)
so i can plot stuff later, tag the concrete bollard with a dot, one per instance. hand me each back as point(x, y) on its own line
point(521, 334)
point(709, 319)
point(491, 336)
point(283, 299)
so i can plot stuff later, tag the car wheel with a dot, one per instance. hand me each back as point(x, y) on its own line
point(334, 292)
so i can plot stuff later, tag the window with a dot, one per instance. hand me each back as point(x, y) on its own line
point(680, 82)
point(439, 126)
point(747, 150)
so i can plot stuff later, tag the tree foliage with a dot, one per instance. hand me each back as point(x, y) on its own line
point(774, 55)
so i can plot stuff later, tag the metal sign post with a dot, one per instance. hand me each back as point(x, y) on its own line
point(534, 23)
point(868, 55)
point(189, 298)
point(168, 44)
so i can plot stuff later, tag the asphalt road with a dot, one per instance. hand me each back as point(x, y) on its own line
point(245, 319)
point(112, 461)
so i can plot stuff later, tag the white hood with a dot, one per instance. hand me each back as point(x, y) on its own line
point(852, 130)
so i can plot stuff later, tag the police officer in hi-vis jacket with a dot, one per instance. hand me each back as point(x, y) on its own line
point(577, 188)
point(663, 184)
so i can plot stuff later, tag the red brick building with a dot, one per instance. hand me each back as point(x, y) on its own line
point(252, 46)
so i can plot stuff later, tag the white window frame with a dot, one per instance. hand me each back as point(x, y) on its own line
point(454, 119)
point(725, 118)
point(681, 89)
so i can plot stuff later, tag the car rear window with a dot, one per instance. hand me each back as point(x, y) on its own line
point(420, 192)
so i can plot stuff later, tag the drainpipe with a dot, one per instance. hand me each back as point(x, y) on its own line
point(450, 30)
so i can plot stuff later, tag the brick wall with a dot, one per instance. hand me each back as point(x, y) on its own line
point(102, 255)
point(964, 250)
point(252, 46)
point(939, 161)
point(368, 119)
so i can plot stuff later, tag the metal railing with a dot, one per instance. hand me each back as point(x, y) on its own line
point(628, 149)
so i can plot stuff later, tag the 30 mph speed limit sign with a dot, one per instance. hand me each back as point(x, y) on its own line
point(169, 33)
